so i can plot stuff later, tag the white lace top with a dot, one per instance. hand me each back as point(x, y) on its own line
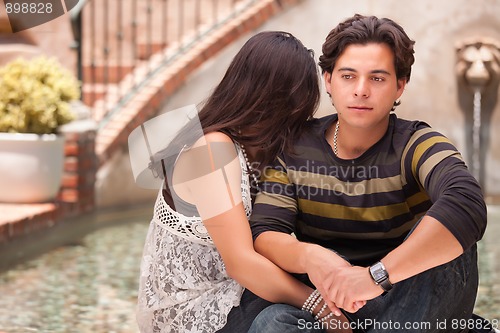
point(183, 284)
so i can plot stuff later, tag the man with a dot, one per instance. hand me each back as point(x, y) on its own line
point(385, 213)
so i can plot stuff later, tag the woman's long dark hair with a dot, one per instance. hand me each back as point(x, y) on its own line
point(269, 91)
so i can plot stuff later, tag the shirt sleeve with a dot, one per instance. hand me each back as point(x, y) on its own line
point(275, 207)
point(435, 165)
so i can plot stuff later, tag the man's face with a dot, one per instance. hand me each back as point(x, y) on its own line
point(363, 85)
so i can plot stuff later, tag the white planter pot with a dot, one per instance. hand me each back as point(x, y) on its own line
point(31, 167)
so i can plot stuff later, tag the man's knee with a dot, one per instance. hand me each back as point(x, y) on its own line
point(283, 318)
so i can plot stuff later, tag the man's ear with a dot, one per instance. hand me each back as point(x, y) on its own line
point(401, 87)
point(328, 77)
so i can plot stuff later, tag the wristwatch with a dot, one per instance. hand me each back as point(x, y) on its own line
point(380, 276)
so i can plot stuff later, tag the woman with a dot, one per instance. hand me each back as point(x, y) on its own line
point(199, 254)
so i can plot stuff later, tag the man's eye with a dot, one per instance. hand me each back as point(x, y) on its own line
point(347, 76)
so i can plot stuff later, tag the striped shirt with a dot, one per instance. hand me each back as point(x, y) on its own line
point(364, 208)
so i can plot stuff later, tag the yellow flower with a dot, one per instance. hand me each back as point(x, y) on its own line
point(35, 96)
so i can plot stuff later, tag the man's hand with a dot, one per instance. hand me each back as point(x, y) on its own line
point(350, 285)
point(319, 263)
point(322, 267)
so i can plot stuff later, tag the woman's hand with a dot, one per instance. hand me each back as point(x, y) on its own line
point(351, 287)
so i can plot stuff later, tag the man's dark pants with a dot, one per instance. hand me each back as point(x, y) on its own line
point(438, 300)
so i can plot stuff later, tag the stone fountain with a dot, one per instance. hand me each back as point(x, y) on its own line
point(478, 76)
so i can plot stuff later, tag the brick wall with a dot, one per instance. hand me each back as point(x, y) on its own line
point(77, 193)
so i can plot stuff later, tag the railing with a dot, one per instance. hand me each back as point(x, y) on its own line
point(121, 44)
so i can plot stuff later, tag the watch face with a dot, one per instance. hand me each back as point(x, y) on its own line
point(378, 272)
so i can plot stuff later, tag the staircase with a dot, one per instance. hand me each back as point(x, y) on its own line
point(134, 54)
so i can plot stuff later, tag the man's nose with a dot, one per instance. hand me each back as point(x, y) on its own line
point(362, 89)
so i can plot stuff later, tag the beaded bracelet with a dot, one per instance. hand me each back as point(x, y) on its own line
point(316, 303)
point(312, 301)
point(325, 318)
point(323, 308)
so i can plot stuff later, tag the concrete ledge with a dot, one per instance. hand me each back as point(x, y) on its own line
point(21, 219)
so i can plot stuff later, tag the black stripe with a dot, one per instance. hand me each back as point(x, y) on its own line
point(355, 227)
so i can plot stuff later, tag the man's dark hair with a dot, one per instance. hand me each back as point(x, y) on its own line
point(362, 30)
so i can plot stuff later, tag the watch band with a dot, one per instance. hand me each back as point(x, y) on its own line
point(386, 284)
point(380, 276)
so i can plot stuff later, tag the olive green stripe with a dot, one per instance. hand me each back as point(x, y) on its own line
point(278, 200)
point(434, 160)
point(335, 211)
point(417, 199)
point(422, 148)
point(377, 213)
point(331, 183)
point(417, 135)
point(275, 176)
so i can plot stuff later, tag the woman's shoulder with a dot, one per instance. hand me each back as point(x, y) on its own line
point(212, 137)
point(212, 149)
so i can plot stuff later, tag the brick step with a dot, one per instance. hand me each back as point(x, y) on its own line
point(114, 70)
point(106, 72)
point(145, 51)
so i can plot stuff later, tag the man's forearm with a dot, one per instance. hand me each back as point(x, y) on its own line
point(429, 245)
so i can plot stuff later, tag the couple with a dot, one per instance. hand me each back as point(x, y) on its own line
point(384, 214)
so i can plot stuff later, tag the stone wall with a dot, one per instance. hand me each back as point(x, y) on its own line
point(432, 94)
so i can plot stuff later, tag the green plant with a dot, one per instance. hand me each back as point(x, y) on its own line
point(35, 96)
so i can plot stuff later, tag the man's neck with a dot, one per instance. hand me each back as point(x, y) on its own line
point(352, 142)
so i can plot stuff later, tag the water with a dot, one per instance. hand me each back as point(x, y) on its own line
point(488, 301)
point(476, 136)
point(91, 285)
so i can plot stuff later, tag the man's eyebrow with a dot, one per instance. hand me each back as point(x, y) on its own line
point(346, 69)
point(375, 71)
point(380, 71)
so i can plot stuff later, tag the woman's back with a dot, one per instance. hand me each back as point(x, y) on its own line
point(183, 284)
